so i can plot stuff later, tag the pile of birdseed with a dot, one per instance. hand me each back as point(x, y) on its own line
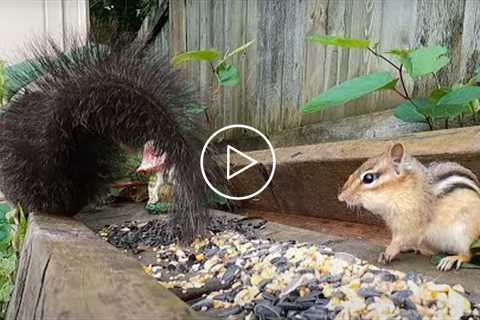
point(132, 235)
point(234, 277)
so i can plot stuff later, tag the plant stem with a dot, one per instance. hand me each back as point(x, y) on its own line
point(381, 56)
point(402, 81)
point(429, 122)
point(400, 94)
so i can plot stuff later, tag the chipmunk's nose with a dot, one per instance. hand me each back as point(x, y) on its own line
point(340, 197)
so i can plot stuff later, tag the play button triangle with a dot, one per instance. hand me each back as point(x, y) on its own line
point(252, 162)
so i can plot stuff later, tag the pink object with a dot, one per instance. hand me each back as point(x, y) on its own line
point(151, 161)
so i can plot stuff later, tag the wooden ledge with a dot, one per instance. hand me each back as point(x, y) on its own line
point(67, 272)
point(308, 178)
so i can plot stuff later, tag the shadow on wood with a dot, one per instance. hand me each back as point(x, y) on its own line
point(68, 272)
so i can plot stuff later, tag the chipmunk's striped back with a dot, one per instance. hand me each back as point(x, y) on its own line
point(448, 177)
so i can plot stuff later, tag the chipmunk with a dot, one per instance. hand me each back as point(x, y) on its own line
point(429, 209)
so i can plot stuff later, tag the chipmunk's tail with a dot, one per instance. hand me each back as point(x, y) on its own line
point(60, 139)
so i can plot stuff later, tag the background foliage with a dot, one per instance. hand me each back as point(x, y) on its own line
point(109, 18)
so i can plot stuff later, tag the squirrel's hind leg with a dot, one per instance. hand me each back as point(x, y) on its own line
point(450, 262)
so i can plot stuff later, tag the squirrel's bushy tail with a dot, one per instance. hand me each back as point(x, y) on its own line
point(60, 139)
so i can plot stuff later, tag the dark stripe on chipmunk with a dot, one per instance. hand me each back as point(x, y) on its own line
point(458, 174)
point(456, 186)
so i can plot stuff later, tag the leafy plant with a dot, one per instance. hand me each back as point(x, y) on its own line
point(226, 73)
point(443, 103)
point(13, 226)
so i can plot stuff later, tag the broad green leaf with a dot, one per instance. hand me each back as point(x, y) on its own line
point(4, 208)
point(339, 41)
point(239, 50)
point(436, 94)
point(424, 108)
point(228, 75)
point(390, 86)
point(461, 96)
point(349, 90)
point(408, 112)
point(400, 53)
point(196, 55)
point(475, 244)
point(425, 61)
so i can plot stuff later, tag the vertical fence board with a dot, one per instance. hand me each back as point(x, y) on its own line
point(293, 63)
point(249, 75)
point(440, 23)
point(471, 39)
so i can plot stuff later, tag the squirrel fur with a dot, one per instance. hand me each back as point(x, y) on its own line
point(430, 209)
point(63, 138)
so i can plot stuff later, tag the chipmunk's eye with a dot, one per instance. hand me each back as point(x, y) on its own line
point(368, 178)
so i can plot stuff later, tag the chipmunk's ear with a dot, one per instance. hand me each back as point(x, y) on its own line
point(397, 152)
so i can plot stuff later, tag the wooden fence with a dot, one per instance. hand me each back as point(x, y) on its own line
point(281, 71)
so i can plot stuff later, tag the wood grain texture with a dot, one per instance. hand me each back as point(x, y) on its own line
point(318, 171)
point(67, 272)
point(282, 71)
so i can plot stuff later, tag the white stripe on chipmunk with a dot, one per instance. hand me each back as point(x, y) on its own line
point(445, 184)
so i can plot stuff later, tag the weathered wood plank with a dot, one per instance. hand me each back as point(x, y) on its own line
point(270, 62)
point(471, 40)
point(67, 272)
point(440, 23)
point(249, 74)
point(217, 28)
point(318, 171)
point(233, 27)
point(177, 26)
point(293, 64)
point(315, 68)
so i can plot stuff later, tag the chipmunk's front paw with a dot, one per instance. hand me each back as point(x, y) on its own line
point(449, 262)
point(390, 253)
point(385, 258)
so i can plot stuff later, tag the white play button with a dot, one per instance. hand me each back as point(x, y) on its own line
point(252, 162)
point(241, 160)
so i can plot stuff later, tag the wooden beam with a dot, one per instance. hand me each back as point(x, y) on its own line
point(67, 272)
point(308, 178)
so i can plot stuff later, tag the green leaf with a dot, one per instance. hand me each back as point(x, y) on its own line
point(339, 41)
point(400, 53)
point(425, 61)
point(227, 75)
point(196, 55)
point(348, 91)
point(408, 112)
point(196, 109)
point(4, 208)
point(390, 86)
point(436, 94)
point(159, 207)
point(460, 96)
point(475, 244)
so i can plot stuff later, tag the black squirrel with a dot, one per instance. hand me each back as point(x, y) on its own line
point(61, 138)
